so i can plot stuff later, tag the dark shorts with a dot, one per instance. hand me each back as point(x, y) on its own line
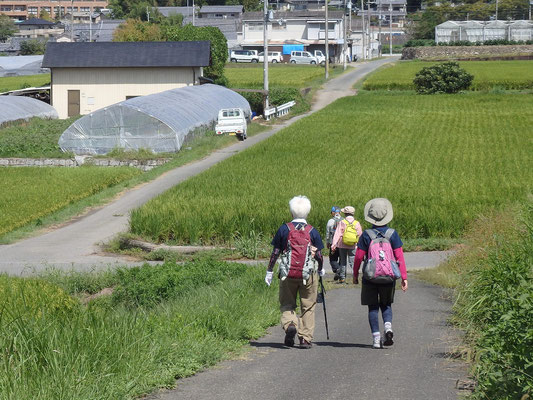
point(372, 295)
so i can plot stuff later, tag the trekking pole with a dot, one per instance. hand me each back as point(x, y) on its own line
point(322, 299)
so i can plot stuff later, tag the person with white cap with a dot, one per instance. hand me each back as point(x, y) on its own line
point(346, 235)
point(299, 247)
point(379, 295)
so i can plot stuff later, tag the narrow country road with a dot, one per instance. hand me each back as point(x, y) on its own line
point(345, 367)
point(76, 245)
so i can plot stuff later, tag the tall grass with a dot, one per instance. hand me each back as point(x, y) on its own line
point(441, 160)
point(106, 351)
point(493, 280)
point(516, 74)
point(30, 193)
point(20, 82)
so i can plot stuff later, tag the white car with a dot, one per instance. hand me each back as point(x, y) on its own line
point(231, 121)
point(273, 57)
point(244, 56)
point(320, 57)
point(302, 57)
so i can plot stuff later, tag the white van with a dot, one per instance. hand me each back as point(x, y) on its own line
point(273, 57)
point(244, 56)
point(302, 57)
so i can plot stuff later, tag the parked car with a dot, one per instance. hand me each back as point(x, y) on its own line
point(273, 57)
point(244, 56)
point(302, 57)
point(231, 121)
point(320, 57)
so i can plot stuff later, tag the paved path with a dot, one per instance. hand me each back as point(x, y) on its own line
point(344, 367)
point(76, 245)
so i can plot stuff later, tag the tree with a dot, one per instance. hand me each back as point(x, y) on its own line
point(135, 30)
point(7, 27)
point(45, 15)
point(219, 46)
point(447, 77)
point(32, 46)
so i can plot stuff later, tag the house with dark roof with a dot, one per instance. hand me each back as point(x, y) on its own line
point(221, 12)
point(88, 76)
point(38, 28)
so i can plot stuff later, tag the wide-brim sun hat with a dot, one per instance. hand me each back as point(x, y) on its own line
point(348, 210)
point(378, 211)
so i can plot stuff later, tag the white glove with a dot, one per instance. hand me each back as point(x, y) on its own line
point(322, 272)
point(268, 277)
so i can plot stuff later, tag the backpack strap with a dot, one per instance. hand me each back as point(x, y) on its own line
point(372, 233)
point(291, 226)
point(389, 233)
point(308, 228)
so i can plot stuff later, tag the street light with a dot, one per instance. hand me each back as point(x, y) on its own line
point(266, 18)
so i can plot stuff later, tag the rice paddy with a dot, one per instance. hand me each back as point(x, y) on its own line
point(30, 193)
point(441, 160)
point(251, 76)
point(511, 75)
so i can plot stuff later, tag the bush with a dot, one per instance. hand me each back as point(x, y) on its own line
point(445, 77)
point(278, 96)
point(419, 43)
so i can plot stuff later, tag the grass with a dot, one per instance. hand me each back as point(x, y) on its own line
point(36, 138)
point(510, 75)
point(199, 147)
point(492, 279)
point(30, 193)
point(299, 76)
point(115, 349)
point(472, 154)
point(20, 82)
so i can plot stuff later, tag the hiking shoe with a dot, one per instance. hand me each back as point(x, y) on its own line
point(388, 338)
point(304, 344)
point(290, 333)
point(336, 277)
point(341, 280)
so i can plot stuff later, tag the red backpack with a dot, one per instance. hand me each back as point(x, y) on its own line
point(296, 261)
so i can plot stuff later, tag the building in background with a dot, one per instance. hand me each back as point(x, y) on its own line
point(221, 12)
point(34, 28)
point(25, 9)
point(89, 76)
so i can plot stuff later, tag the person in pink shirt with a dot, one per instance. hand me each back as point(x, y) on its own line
point(346, 251)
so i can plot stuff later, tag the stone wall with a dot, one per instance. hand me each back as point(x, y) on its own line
point(467, 52)
point(144, 165)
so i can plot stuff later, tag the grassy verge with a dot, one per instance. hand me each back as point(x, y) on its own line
point(508, 75)
point(493, 281)
point(199, 147)
point(441, 161)
point(20, 82)
point(160, 323)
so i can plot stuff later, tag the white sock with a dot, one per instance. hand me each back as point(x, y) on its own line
point(388, 326)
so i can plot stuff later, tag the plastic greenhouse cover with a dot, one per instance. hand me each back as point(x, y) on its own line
point(161, 122)
point(13, 108)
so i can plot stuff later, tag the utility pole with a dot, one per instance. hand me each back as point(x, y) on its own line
point(265, 51)
point(363, 32)
point(193, 12)
point(390, 28)
point(379, 30)
point(71, 20)
point(496, 10)
point(327, 39)
point(344, 38)
point(147, 14)
point(369, 27)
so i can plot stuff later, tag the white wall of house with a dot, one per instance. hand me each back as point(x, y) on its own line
point(291, 29)
point(101, 87)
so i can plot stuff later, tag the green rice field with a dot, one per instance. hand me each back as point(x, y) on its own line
point(20, 82)
point(441, 160)
point(251, 76)
point(30, 193)
point(487, 75)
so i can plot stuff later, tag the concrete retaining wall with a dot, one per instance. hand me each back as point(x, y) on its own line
point(466, 52)
point(144, 165)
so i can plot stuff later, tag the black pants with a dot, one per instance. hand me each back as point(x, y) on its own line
point(334, 259)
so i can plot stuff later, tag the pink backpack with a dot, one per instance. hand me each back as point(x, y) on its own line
point(296, 261)
point(380, 265)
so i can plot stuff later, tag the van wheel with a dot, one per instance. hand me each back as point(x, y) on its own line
point(312, 62)
point(254, 60)
point(274, 61)
point(323, 63)
point(293, 62)
point(234, 60)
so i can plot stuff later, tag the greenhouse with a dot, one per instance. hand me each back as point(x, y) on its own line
point(16, 108)
point(481, 31)
point(160, 122)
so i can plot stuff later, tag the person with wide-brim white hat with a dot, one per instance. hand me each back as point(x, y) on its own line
point(379, 296)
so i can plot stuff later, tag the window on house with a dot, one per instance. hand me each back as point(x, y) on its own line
point(6, 8)
point(255, 26)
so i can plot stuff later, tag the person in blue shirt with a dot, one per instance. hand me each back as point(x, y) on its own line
point(290, 287)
